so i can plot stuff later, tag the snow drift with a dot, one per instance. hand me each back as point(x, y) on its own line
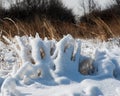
point(82, 67)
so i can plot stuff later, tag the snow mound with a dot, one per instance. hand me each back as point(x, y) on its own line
point(83, 67)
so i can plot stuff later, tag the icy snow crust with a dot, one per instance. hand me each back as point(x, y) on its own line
point(30, 66)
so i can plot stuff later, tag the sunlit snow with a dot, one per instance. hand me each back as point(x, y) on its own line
point(31, 66)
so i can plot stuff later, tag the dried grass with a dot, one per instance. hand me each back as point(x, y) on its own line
point(56, 29)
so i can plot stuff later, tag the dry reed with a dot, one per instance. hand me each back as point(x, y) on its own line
point(56, 29)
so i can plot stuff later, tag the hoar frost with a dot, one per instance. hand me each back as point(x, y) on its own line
point(51, 62)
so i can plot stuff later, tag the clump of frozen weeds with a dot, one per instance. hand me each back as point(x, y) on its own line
point(35, 63)
point(36, 60)
point(66, 58)
point(59, 62)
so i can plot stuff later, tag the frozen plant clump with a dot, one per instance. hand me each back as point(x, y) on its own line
point(42, 57)
point(66, 58)
point(27, 69)
point(103, 65)
point(7, 59)
point(36, 60)
point(51, 45)
point(35, 56)
point(23, 49)
point(81, 67)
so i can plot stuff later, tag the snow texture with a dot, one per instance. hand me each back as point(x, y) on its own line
point(31, 66)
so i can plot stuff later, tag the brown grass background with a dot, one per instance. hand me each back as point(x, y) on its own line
point(101, 25)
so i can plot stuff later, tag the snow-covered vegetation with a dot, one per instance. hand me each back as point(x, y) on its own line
point(30, 66)
point(63, 66)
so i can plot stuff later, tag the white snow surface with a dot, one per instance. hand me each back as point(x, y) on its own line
point(31, 66)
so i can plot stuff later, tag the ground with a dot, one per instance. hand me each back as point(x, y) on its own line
point(31, 66)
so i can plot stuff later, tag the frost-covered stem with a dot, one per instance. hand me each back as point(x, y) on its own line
point(24, 50)
point(44, 62)
point(105, 65)
point(67, 60)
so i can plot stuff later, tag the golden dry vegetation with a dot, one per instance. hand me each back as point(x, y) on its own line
point(101, 25)
point(56, 29)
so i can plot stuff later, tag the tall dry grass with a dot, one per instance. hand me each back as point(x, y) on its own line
point(56, 29)
point(53, 20)
point(98, 24)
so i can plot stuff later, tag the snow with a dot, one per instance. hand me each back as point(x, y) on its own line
point(31, 66)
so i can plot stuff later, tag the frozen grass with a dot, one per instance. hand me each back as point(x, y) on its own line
point(84, 67)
